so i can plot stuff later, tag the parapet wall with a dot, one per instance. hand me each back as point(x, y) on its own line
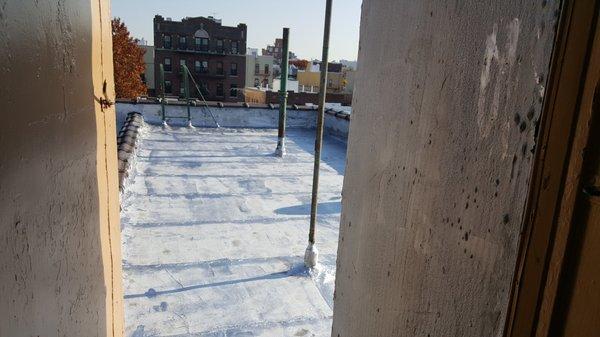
point(236, 116)
point(306, 97)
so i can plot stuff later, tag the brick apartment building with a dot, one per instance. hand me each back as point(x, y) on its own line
point(276, 51)
point(214, 54)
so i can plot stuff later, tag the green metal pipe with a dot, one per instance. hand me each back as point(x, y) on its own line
point(283, 95)
point(186, 88)
point(320, 122)
point(162, 93)
point(202, 96)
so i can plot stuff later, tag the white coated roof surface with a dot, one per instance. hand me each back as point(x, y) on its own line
point(214, 229)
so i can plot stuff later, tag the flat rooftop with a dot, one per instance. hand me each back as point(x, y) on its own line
point(214, 229)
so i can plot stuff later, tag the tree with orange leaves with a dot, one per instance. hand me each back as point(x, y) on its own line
point(128, 59)
point(300, 64)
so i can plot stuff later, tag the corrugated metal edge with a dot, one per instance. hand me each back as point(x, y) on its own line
point(126, 144)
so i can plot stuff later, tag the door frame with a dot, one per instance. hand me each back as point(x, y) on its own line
point(555, 180)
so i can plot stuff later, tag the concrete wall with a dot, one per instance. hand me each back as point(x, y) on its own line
point(227, 117)
point(336, 126)
point(59, 223)
point(236, 117)
point(446, 104)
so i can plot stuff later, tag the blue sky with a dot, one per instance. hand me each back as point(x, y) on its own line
point(265, 20)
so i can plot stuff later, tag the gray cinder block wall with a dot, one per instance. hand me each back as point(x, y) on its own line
point(447, 99)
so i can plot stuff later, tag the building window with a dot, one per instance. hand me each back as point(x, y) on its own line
point(219, 89)
point(167, 64)
point(256, 82)
point(233, 70)
point(182, 91)
point(233, 92)
point(266, 69)
point(329, 83)
point(256, 69)
point(168, 87)
point(201, 66)
point(181, 64)
point(219, 45)
point(219, 68)
point(234, 47)
point(182, 42)
point(201, 43)
point(167, 42)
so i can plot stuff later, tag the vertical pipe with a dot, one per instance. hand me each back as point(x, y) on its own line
point(186, 88)
point(310, 257)
point(280, 151)
point(162, 92)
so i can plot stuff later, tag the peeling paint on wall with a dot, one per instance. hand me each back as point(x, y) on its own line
point(503, 60)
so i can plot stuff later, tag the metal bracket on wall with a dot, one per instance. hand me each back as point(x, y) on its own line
point(105, 103)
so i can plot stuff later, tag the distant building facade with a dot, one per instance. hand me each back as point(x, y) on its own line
point(276, 50)
point(252, 51)
point(215, 55)
point(349, 76)
point(259, 71)
point(309, 79)
point(148, 78)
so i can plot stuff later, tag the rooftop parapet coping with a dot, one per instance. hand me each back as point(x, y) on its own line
point(244, 105)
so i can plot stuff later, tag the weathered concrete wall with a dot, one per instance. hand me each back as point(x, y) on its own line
point(59, 224)
point(447, 99)
point(336, 126)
